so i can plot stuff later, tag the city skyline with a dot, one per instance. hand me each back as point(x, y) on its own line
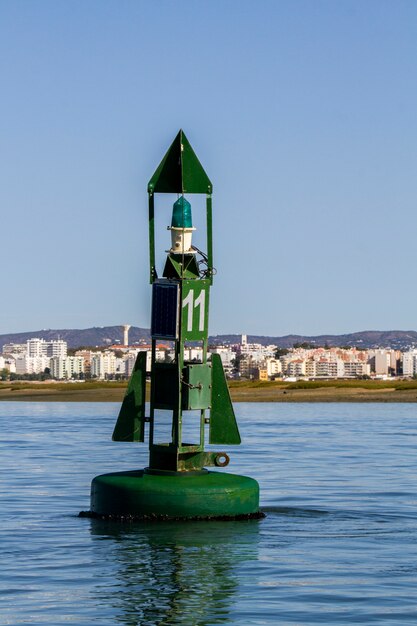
point(302, 113)
point(244, 359)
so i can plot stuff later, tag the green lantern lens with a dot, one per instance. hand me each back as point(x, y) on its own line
point(181, 214)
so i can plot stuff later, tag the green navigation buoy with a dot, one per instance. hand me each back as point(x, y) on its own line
point(176, 484)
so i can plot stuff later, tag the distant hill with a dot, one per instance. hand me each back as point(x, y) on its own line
point(397, 339)
point(97, 336)
point(107, 335)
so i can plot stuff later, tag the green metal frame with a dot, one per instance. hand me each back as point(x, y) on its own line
point(180, 172)
point(182, 386)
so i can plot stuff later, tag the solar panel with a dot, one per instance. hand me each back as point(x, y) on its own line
point(165, 298)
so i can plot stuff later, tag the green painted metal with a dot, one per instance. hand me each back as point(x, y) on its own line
point(175, 386)
point(209, 239)
point(176, 483)
point(196, 380)
point(168, 495)
point(181, 266)
point(130, 425)
point(151, 209)
point(169, 457)
point(180, 171)
point(194, 309)
point(223, 425)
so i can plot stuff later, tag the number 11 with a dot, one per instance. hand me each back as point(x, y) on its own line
point(199, 302)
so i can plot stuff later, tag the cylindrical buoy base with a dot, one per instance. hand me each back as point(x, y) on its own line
point(164, 495)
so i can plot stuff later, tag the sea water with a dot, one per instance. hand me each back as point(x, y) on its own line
point(338, 544)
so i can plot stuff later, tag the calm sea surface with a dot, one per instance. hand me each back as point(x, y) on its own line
point(338, 545)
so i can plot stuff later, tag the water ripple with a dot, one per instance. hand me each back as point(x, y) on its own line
point(337, 546)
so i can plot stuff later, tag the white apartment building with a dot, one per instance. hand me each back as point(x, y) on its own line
point(66, 368)
point(326, 368)
point(296, 368)
point(14, 348)
point(384, 361)
point(285, 360)
point(310, 368)
point(162, 355)
point(356, 369)
point(130, 360)
point(120, 366)
point(193, 354)
point(258, 352)
point(103, 365)
point(329, 369)
point(7, 364)
point(248, 367)
point(227, 356)
point(86, 354)
point(410, 363)
point(31, 364)
point(39, 347)
point(273, 367)
point(379, 361)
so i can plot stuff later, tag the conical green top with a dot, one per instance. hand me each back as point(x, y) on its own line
point(180, 171)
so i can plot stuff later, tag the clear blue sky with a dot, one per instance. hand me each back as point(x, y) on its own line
point(303, 113)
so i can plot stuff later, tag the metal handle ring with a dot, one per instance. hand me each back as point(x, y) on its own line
point(222, 459)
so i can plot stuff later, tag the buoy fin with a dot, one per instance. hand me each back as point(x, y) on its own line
point(223, 425)
point(130, 425)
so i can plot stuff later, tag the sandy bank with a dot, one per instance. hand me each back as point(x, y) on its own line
point(239, 393)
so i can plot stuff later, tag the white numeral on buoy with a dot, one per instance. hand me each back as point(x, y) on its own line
point(199, 302)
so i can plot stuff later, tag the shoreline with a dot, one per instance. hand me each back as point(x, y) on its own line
point(369, 391)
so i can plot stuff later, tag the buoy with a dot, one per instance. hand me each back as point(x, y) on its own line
point(177, 483)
